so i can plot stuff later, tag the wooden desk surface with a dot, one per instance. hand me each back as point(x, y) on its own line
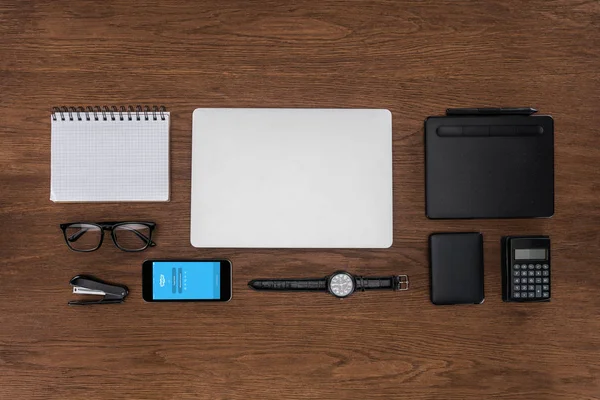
point(415, 59)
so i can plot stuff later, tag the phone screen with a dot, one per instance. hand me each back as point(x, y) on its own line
point(189, 280)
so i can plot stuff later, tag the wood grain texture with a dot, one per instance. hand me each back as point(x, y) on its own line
point(414, 58)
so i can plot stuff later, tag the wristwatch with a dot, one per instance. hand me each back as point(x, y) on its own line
point(340, 284)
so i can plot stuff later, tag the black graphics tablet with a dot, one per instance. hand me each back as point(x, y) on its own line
point(489, 166)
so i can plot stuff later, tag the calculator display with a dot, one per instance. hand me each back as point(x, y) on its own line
point(530, 254)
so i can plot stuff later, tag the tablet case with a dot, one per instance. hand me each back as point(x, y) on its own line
point(499, 166)
point(456, 261)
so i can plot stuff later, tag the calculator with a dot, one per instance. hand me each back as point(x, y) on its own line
point(526, 268)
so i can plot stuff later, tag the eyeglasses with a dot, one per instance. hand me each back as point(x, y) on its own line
point(127, 236)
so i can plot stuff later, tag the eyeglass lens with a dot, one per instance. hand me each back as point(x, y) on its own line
point(132, 237)
point(83, 237)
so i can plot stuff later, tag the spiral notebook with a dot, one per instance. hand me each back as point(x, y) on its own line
point(101, 154)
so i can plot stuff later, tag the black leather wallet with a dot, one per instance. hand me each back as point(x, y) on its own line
point(456, 261)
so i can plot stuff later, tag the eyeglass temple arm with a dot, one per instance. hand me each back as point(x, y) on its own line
point(77, 235)
point(142, 236)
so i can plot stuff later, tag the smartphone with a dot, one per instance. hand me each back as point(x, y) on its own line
point(186, 280)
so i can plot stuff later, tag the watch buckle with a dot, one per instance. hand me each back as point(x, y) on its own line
point(402, 282)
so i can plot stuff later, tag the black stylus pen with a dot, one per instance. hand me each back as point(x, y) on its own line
point(491, 111)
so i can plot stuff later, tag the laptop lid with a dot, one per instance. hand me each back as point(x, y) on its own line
point(291, 178)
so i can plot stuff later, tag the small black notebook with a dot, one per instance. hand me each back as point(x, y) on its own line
point(456, 261)
point(489, 166)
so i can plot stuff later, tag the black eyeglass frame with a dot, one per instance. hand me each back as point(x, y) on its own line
point(110, 226)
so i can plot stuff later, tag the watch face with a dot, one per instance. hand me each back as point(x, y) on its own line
point(341, 284)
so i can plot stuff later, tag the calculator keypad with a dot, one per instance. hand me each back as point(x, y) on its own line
point(530, 282)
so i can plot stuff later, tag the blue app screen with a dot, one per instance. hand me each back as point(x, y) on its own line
point(172, 280)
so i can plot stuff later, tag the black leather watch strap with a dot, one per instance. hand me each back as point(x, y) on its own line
point(396, 282)
point(289, 284)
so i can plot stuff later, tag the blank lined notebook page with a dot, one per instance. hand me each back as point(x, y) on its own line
point(108, 160)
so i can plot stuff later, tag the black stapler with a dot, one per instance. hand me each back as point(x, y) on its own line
point(89, 285)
